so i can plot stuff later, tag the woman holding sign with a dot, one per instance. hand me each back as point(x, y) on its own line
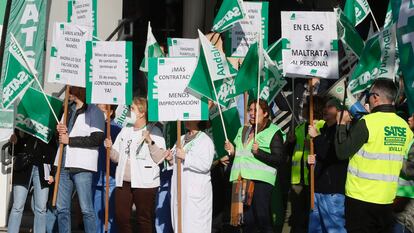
point(137, 149)
point(197, 155)
point(253, 172)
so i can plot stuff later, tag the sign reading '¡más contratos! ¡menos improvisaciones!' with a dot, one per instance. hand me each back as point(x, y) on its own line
point(309, 44)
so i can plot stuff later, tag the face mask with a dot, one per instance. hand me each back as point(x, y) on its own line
point(132, 118)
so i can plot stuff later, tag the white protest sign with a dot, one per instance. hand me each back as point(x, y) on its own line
point(309, 44)
point(109, 72)
point(67, 58)
point(246, 31)
point(83, 12)
point(168, 99)
point(182, 47)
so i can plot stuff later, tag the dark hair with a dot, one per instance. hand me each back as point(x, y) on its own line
point(202, 125)
point(79, 92)
point(265, 108)
point(385, 88)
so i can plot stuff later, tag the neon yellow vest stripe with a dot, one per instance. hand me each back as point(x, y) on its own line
point(374, 170)
point(246, 164)
point(406, 185)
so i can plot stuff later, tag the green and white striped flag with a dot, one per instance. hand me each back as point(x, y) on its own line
point(212, 65)
point(348, 35)
point(275, 53)
point(231, 12)
point(18, 76)
point(152, 49)
point(356, 11)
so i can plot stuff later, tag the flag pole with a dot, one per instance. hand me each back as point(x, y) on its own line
point(179, 207)
point(108, 154)
point(61, 146)
point(258, 81)
point(373, 17)
point(220, 112)
point(311, 147)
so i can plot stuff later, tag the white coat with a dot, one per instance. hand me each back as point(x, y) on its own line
point(145, 173)
point(196, 189)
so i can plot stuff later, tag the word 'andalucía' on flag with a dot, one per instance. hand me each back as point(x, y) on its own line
point(37, 119)
point(348, 35)
point(402, 14)
point(212, 66)
point(152, 49)
point(17, 76)
point(356, 10)
point(378, 60)
point(230, 12)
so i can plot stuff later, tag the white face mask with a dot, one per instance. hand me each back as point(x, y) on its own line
point(132, 118)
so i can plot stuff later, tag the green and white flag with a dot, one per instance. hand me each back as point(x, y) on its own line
point(168, 98)
point(402, 14)
point(245, 32)
point(230, 12)
point(3, 5)
point(152, 49)
point(348, 35)
point(388, 16)
point(84, 13)
point(37, 119)
point(109, 72)
point(122, 114)
point(17, 74)
point(231, 122)
point(356, 11)
point(183, 47)
point(275, 53)
point(6, 118)
point(378, 60)
point(27, 23)
point(67, 54)
point(213, 66)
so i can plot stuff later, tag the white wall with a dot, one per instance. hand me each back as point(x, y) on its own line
point(109, 13)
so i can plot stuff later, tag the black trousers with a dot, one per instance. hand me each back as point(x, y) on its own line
point(257, 217)
point(364, 217)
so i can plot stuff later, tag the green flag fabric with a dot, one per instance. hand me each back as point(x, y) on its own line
point(356, 10)
point(275, 53)
point(230, 12)
point(152, 49)
point(17, 74)
point(402, 14)
point(349, 36)
point(37, 119)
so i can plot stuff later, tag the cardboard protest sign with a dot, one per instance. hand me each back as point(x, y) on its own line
point(67, 58)
point(182, 47)
point(309, 44)
point(109, 72)
point(168, 99)
point(37, 119)
point(84, 13)
point(246, 31)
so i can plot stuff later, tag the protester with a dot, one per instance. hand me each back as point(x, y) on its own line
point(137, 149)
point(196, 154)
point(82, 136)
point(375, 146)
point(328, 214)
point(404, 202)
point(31, 167)
point(264, 153)
point(99, 179)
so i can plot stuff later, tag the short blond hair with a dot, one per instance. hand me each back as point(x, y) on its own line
point(142, 105)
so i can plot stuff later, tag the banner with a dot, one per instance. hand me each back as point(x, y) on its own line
point(152, 49)
point(310, 44)
point(67, 58)
point(37, 119)
point(378, 60)
point(402, 13)
point(356, 10)
point(232, 123)
point(17, 74)
point(84, 13)
point(109, 72)
point(181, 47)
point(245, 32)
point(230, 12)
point(168, 99)
point(348, 35)
point(27, 23)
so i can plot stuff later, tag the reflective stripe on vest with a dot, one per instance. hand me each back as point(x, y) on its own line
point(402, 182)
point(373, 172)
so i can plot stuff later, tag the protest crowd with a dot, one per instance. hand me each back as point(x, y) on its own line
point(204, 149)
